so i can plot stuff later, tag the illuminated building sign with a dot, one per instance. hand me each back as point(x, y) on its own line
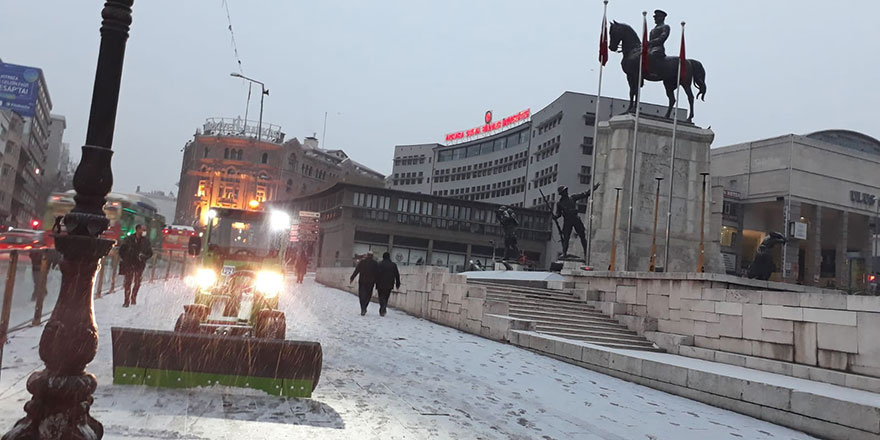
point(490, 126)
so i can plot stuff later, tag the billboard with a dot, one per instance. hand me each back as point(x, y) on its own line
point(19, 88)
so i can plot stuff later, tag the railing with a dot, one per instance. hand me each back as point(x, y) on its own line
point(28, 301)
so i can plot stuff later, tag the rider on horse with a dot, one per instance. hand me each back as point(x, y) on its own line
point(657, 37)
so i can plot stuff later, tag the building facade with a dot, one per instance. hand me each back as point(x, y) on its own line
point(225, 165)
point(414, 228)
point(25, 159)
point(514, 165)
point(821, 190)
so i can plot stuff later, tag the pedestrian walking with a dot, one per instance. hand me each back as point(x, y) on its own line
point(301, 266)
point(367, 269)
point(134, 253)
point(386, 278)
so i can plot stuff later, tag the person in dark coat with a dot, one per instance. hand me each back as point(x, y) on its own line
point(301, 266)
point(367, 269)
point(134, 253)
point(386, 278)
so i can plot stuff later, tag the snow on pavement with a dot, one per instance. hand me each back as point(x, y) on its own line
point(397, 377)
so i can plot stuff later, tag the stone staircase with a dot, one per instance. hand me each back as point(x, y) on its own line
point(560, 314)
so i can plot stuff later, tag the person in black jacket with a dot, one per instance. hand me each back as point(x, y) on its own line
point(386, 278)
point(134, 253)
point(367, 269)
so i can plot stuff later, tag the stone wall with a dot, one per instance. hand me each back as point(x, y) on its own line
point(809, 326)
point(439, 296)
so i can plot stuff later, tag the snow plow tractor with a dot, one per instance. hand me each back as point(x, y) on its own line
point(233, 332)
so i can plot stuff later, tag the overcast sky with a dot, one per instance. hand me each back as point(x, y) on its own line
point(409, 71)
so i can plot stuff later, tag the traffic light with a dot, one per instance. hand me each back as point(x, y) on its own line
point(35, 224)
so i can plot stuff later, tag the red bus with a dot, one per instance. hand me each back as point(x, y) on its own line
point(176, 237)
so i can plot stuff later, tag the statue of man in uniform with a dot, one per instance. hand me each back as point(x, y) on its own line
point(656, 39)
point(507, 218)
point(567, 208)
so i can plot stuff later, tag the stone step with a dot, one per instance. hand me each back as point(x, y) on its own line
point(581, 326)
point(578, 307)
point(621, 332)
point(563, 316)
point(517, 288)
point(559, 298)
point(607, 342)
point(566, 321)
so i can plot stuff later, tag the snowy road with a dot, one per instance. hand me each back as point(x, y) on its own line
point(396, 377)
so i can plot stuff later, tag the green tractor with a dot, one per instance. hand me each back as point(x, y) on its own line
point(240, 278)
point(233, 333)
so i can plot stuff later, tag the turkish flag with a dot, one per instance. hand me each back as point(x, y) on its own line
point(682, 61)
point(603, 42)
point(644, 45)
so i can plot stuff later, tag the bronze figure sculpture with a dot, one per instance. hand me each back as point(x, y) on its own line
point(567, 208)
point(661, 67)
point(763, 267)
point(507, 218)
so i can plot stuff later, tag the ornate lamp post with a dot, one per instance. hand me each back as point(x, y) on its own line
point(62, 392)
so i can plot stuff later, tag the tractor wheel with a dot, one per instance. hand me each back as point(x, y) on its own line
point(270, 325)
point(187, 323)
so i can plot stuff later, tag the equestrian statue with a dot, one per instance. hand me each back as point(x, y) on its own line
point(660, 67)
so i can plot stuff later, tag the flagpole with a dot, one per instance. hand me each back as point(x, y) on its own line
point(632, 181)
point(595, 138)
point(672, 161)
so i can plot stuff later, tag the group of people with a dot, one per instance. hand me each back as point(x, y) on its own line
point(383, 275)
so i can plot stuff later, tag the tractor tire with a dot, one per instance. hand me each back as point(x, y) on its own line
point(271, 324)
point(187, 323)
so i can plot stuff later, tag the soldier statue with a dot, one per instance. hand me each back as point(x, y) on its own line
point(762, 267)
point(656, 40)
point(567, 208)
point(507, 218)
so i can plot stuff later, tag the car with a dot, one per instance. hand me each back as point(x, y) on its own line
point(22, 239)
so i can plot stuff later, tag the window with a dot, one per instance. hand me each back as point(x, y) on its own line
point(828, 267)
point(265, 158)
point(590, 119)
point(240, 152)
point(728, 236)
point(205, 154)
point(226, 153)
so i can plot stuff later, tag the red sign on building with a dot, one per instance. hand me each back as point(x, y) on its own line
point(490, 126)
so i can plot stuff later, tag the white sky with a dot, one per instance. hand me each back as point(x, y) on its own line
point(409, 71)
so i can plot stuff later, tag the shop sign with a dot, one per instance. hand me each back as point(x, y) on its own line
point(798, 230)
point(731, 194)
point(862, 198)
point(489, 126)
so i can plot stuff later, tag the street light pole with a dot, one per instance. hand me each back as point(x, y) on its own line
point(263, 94)
point(62, 392)
point(653, 266)
point(700, 267)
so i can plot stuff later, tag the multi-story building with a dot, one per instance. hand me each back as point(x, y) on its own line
point(821, 190)
point(414, 228)
point(514, 160)
point(11, 128)
point(226, 165)
point(28, 157)
point(57, 125)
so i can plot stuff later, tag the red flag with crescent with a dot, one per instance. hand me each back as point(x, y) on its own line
point(682, 60)
point(644, 45)
point(603, 42)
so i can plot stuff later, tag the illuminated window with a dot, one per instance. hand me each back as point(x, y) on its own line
point(202, 189)
point(728, 235)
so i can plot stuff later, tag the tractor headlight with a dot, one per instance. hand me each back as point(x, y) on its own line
point(269, 283)
point(206, 278)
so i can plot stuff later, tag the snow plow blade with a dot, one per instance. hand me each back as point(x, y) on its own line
point(183, 360)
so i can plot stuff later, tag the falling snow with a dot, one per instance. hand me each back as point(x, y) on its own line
point(396, 377)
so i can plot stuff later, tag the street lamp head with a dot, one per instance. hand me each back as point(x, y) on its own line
point(237, 75)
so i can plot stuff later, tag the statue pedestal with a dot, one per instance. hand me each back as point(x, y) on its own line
point(501, 265)
point(614, 169)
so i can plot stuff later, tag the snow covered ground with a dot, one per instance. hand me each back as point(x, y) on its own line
point(396, 377)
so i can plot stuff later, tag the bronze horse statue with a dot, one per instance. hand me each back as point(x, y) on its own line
point(667, 71)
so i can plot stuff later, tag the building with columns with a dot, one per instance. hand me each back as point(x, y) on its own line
point(822, 190)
